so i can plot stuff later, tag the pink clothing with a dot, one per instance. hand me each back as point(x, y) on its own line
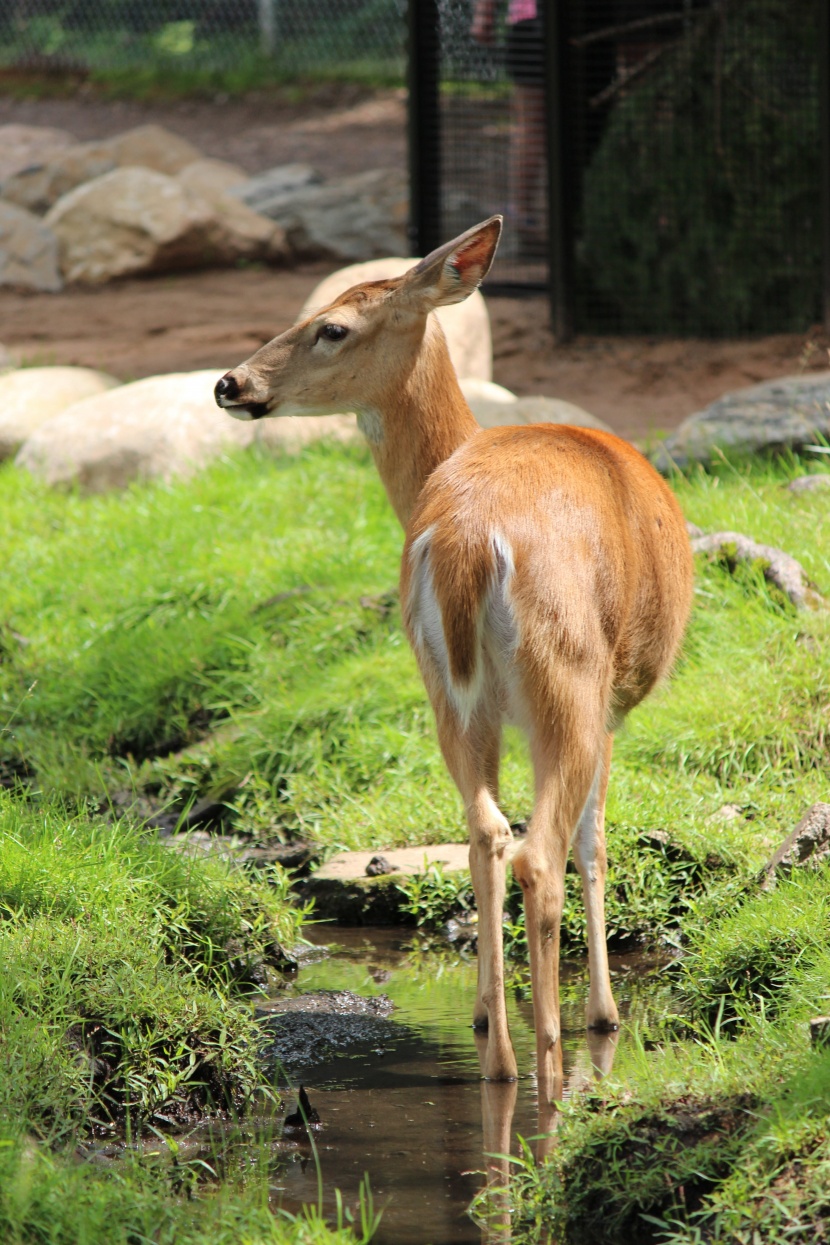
point(521, 11)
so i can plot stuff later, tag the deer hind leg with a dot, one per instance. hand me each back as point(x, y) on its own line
point(590, 858)
point(472, 758)
point(564, 763)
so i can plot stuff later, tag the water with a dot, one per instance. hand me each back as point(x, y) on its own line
point(408, 1107)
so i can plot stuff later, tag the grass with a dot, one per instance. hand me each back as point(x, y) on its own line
point(238, 636)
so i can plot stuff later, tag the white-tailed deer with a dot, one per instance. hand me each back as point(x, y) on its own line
point(546, 581)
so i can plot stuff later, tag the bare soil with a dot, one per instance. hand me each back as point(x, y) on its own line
point(215, 319)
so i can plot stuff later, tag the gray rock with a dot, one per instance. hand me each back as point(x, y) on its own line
point(161, 427)
point(778, 568)
point(34, 395)
point(780, 414)
point(28, 251)
point(809, 484)
point(288, 434)
point(24, 145)
point(466, 325)
point(352, 218)
point(809, 844)
point(273, 187)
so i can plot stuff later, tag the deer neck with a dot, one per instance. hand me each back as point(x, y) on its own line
point(420, 425)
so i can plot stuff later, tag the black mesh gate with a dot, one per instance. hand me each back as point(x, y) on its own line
point(661, 164)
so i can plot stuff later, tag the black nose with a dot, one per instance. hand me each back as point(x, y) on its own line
point(226, 388)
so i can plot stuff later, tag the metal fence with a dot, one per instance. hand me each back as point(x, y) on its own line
point(659, 162)
point(242, 39)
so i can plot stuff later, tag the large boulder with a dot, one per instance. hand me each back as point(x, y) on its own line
point(780, 414)
point(135, 220)
point(47, 177)
point(41, 184)
point(151, 147)
point(466, 325)
point(290, 433)
point(496, 407)
point(34, 395)
point(23, 145)
point(247, 234)
point(351, 218)
point(160, 427)
point(28, 251)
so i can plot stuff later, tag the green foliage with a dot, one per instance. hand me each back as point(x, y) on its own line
point(117, 956)
point(432, 897)
point(701, 204)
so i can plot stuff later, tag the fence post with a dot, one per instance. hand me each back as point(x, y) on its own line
point(424, 74)
point(560, 168)
point(824, 123)
point(267, 15)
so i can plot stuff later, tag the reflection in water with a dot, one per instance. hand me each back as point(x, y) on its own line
point(412, 1110)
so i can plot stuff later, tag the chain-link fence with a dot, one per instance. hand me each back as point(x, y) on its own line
point(240, 41)
point(682, 139)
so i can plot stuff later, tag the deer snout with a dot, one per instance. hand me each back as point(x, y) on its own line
point(226, 390)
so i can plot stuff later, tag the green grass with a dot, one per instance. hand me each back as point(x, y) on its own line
point(238, 635)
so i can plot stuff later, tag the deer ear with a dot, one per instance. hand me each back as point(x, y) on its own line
point(456, 269)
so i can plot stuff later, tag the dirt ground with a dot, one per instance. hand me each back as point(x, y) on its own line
point(215, 319)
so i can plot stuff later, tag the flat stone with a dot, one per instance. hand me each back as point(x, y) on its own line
point(24, 145)
point(408, 861)
point(780, 414)
point(28, 251)
point(157, 428)
point(31, 396)
point(466, 325)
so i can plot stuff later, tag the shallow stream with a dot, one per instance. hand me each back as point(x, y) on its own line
point(399, 1092)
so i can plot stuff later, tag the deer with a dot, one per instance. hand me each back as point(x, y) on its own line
point(546, 582)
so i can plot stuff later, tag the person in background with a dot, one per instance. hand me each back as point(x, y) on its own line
point(525, 64)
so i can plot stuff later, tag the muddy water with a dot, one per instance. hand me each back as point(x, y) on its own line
point(405, 1105)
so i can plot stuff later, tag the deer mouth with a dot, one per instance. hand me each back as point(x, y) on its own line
point(246, 410)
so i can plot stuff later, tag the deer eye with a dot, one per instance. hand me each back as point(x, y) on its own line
point(332, 332)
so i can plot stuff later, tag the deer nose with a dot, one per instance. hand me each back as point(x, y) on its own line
point(226, 390)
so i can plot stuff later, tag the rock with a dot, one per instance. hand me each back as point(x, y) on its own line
point(24, 145)
point(484, 391)
point(310, 1029)
point(40, 185)
point(777, 415)
point(28, 251)
point(778, 567)
point(248, 234)
point(809, 844)
point(212, 177)
point(820, 1032)
point(161, 427)
point(46, 179)
point(534, 410)
point(378, 866)
point(353, 218)
point(135, 220)
point(466, 325)
point(33, 395)
point(272, 187)
point(290, 433)
point(151, 147)
point(809, 484)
